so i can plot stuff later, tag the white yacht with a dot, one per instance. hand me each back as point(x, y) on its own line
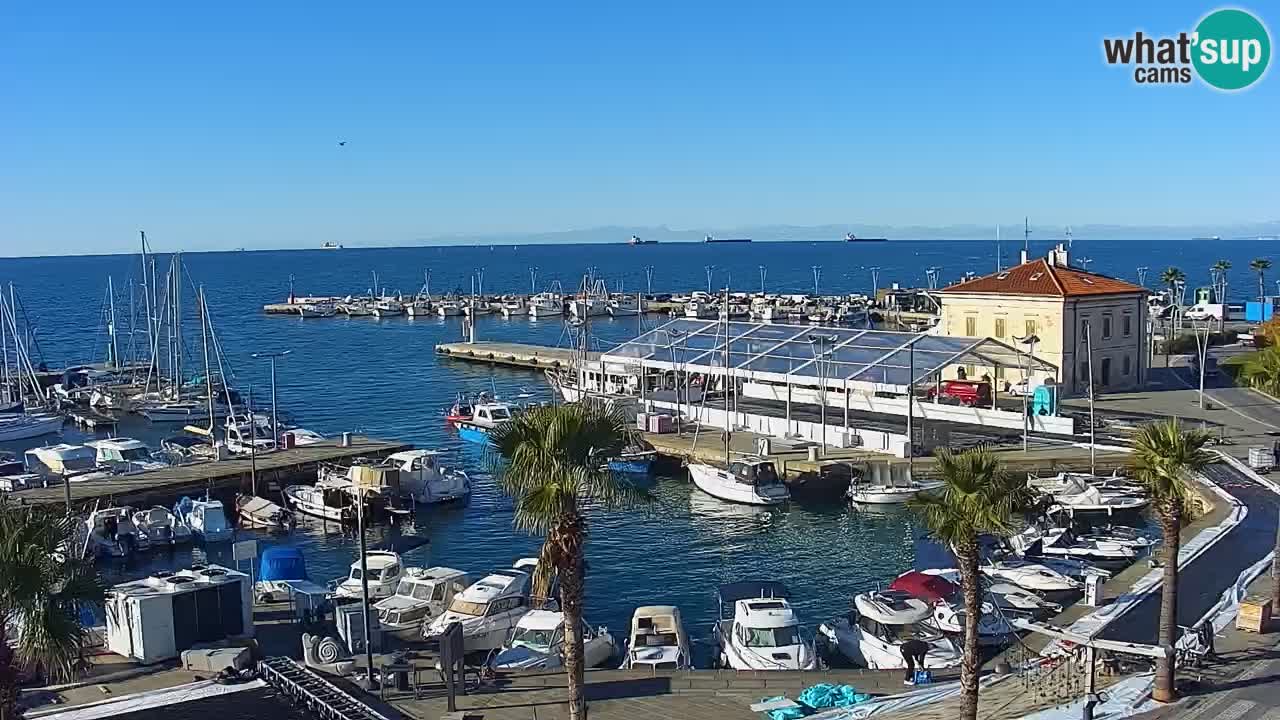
point(1062, 543)
point(868, 493)
point(700, 309)
point(626, 305)
point(159, 528)
point(488, 608)
point(125, 455)
point(1029, 575)
point(1005, 596)
point(75, 462)
point(206, 519)
point(948, 607)
point(751, 480)
point(420, 597)
point(872, 634)
point(759, 630)
point(537, 643)
point(658, 640)
point(385, 571)
point(512, 308)
point(546, 305)
point(1089, 499)
point(424, 480)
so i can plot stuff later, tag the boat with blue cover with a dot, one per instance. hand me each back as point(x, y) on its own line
point(633, 462)
point(485, 417)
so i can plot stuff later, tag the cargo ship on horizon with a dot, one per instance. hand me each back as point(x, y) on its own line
point(710, 239)
point(850, 237)
point(635, 240)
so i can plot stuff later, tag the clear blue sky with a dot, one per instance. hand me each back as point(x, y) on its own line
point(215, 124)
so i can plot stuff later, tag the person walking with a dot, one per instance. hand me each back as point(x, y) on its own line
point(913, 652)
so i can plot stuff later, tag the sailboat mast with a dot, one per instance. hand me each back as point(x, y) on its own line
point(4, 345)
point(111, 326)
point(177, 325)
point(728, 423)
point(208, 376)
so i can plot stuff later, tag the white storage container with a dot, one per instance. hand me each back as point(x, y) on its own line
point(156, 618)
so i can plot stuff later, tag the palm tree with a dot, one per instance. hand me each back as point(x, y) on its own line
point(1164, 458)
point(1219, 271)
point(1262, 371)
point(1171, 277)
point(1261, 266)
point(977, 497)
point(552, 461)
point(42, 592)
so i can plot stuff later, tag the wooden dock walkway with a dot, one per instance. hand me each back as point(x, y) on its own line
point(161, 486)
point(535, 357)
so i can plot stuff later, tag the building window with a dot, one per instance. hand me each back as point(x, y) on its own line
point(1106, 327)
point(1127, 365)
point(1084, 372)
point(1106, 372)
point(1126, 325)
point(999, 370)
point(971, 326)
point(1000, 328)
point(1030, 327)
point(1084, 331)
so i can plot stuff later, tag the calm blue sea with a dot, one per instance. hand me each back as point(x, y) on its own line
point(382, 378)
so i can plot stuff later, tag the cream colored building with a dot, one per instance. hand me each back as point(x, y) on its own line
point(1060, 305)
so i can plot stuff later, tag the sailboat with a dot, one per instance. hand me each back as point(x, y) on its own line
point(748, 480)
point(21, 386)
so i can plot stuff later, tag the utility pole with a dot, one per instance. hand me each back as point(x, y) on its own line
point(875, 279)
point(1026, 236)
point(1088, 344)
point(711, 269)
point(648, 279)
point(364, 586)
point(533, 279)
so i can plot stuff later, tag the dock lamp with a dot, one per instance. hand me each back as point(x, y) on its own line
point(818, 342)
point(275, 418)
point(1030, 341)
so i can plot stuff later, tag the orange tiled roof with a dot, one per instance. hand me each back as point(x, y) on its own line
point(1038, 277)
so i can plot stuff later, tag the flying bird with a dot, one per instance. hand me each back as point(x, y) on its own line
point(342, 143)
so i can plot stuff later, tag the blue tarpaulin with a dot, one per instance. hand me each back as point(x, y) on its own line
point(282, 563)
point(828, 695)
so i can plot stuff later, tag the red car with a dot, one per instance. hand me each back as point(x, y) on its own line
point(962, 392)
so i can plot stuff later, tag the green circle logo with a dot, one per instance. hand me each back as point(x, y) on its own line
point(1232, 49)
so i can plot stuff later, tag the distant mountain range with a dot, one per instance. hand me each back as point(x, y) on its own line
point(766, 233)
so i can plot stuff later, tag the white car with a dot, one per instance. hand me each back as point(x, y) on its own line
point(1020, 388)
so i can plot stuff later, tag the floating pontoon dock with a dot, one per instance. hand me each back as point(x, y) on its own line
point(537, 357)
point(160, 486)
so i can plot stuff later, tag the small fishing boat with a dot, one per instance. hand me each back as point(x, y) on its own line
point(279, 567)
point(423, 479)
point(658, 640)
point(485, 417)
point(546, 305)
point(387, 308)
point(863, 492)
point(385, 570)
point(421, 597)
point(111, 533)
point(14, 426)
point(948, 607)
point(449, 308)
point(317, 310)
point(260, 512)
point(327, 499)
point(633, 461)
point(1029, 575)
point(125, 455)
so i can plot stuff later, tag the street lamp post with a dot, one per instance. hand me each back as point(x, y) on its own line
point(648, 279)
point(817, 276)
point(764, 273)
point(711, 271)
point(275, 416)
point(1202, 351)
point(1030, 341)
point(817, 342)
point(1088, 345)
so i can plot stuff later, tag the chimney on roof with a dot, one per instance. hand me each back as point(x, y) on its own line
point(1058, 256)
point(1023, 256)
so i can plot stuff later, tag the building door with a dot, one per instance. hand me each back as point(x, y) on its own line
point(1106, 372)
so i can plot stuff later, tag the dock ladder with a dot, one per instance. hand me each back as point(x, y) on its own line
point(319, 695)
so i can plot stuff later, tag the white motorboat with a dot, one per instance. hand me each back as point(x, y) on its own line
point(587, 307)
point(948, 607)
point(125, 455)
point(328, 499)
point(249, 434)
point(1121, 535)
point(752, 481)
point(759, 630)
point(477, 306)
point(260, 512)
point(159, 528)
point(424, 480)
point(658, 640)
point(512, 308)
point(23, 426)
point(418, 308)
point(537, 643)
point(385, 570)
point(867, 493)
point(1089, 499)
point(448, 308)
point(485, 417)
point(206, 519)
point(63, 460)
point(625, 305)
point(546, 305)
point(872, 634)
point(1029, 575)
point(1005, 596)
point(303, 436)
point(111, 533)
point(181, 410)
point(700, 309)
point(421, 596)
point(488, 608)
point(387, 308)
point(1066, 483)
point(1062, 543)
